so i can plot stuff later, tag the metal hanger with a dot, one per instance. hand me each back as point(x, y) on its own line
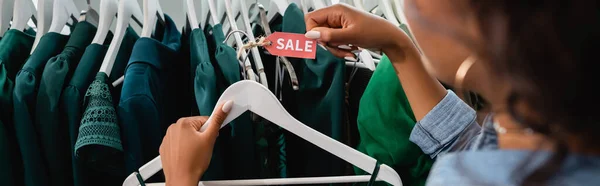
point(265, 25)
point(26, 11)
point(6, 13)
point(238, 39)
point(152, 9)
point(44, 19)
point(244, 94)
point(128, 9)
point(255, 53)
point(63, 10)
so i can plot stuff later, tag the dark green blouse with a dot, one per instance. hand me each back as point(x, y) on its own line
point(151, 98)
point(93, 165)
point(26, 87)
point(319, 103)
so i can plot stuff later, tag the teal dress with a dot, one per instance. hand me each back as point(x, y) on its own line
point(36, 167)
point(53, 133)
point(319, 103)
point(14, 50)
point(151, 98)
point(95, 164)
point(234, 150)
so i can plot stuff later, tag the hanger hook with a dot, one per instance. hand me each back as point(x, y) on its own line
point(232, 32)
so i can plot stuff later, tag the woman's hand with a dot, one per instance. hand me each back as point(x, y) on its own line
point(186, 152)
point(342, 25)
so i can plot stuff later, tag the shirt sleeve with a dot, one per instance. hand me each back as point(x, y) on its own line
point(450, 126)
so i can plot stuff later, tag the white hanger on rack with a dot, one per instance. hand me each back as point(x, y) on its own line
point(108, 11)
point(276, 7)
point(399, 10)
point(251, 96)
point(312, 4)
point(238, 39)
point(190, 11)
point(255, 53)
point(6, 13)
point(63, 10)
point(151, 10)
point(384, 5)
point(127, 9)
point(89, 15)
point(26, 11)
point(44, 19)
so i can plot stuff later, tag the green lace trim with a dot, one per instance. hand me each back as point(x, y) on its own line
point(99, 124)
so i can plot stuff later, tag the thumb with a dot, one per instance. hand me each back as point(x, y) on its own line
point(217, 118)
point(333, 35)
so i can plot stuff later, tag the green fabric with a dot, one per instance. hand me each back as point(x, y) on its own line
point(99, 128)
point(36, 170)
point(211, 79)
point(53, 133)
point(14, 50)
point(269, 138)
point(87, 170)
point(319, 103)
point(153, 94)
point(385, 121)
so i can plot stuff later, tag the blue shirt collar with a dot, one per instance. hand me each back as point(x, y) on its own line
point(163, 47)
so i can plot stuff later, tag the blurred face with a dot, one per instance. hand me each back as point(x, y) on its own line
point(445, 32)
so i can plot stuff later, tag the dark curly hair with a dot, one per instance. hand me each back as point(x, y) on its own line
point(547, 50)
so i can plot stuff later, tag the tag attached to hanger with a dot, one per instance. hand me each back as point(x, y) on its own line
point(291, 45)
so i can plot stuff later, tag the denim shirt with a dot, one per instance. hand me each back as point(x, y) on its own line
point(468, 154)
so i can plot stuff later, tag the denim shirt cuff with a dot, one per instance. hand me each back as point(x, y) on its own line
point(442, 125)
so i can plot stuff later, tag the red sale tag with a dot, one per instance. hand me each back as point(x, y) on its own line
point(292, 45)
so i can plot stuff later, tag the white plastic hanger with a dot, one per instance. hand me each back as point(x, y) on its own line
point(127, 9)
point(384, 5)
point(276, 7)
point(151, 10)
point(44, 19)
point(251, 96)
point(108, 11)
point(63, 10)
point(399, 10)
point(238, 39)
point(89, 15)
point(255, 53)
point(190, 7)
point(6, 13)
point(21, 17)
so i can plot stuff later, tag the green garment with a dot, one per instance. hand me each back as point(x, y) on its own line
point(153, 94)
point(269, 138)
point(385, 121)
point(14, 50)
point(319, 103)
point(36, 170)
point(210, 81)
point(54, 135)
point(96, 166)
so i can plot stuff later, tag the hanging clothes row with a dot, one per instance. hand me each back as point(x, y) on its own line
point(91, 106)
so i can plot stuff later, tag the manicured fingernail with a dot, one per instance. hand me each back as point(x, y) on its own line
point(353, 59)
point(227, 106)
point(356, 51)
point(313, 34)
point(345, 47)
